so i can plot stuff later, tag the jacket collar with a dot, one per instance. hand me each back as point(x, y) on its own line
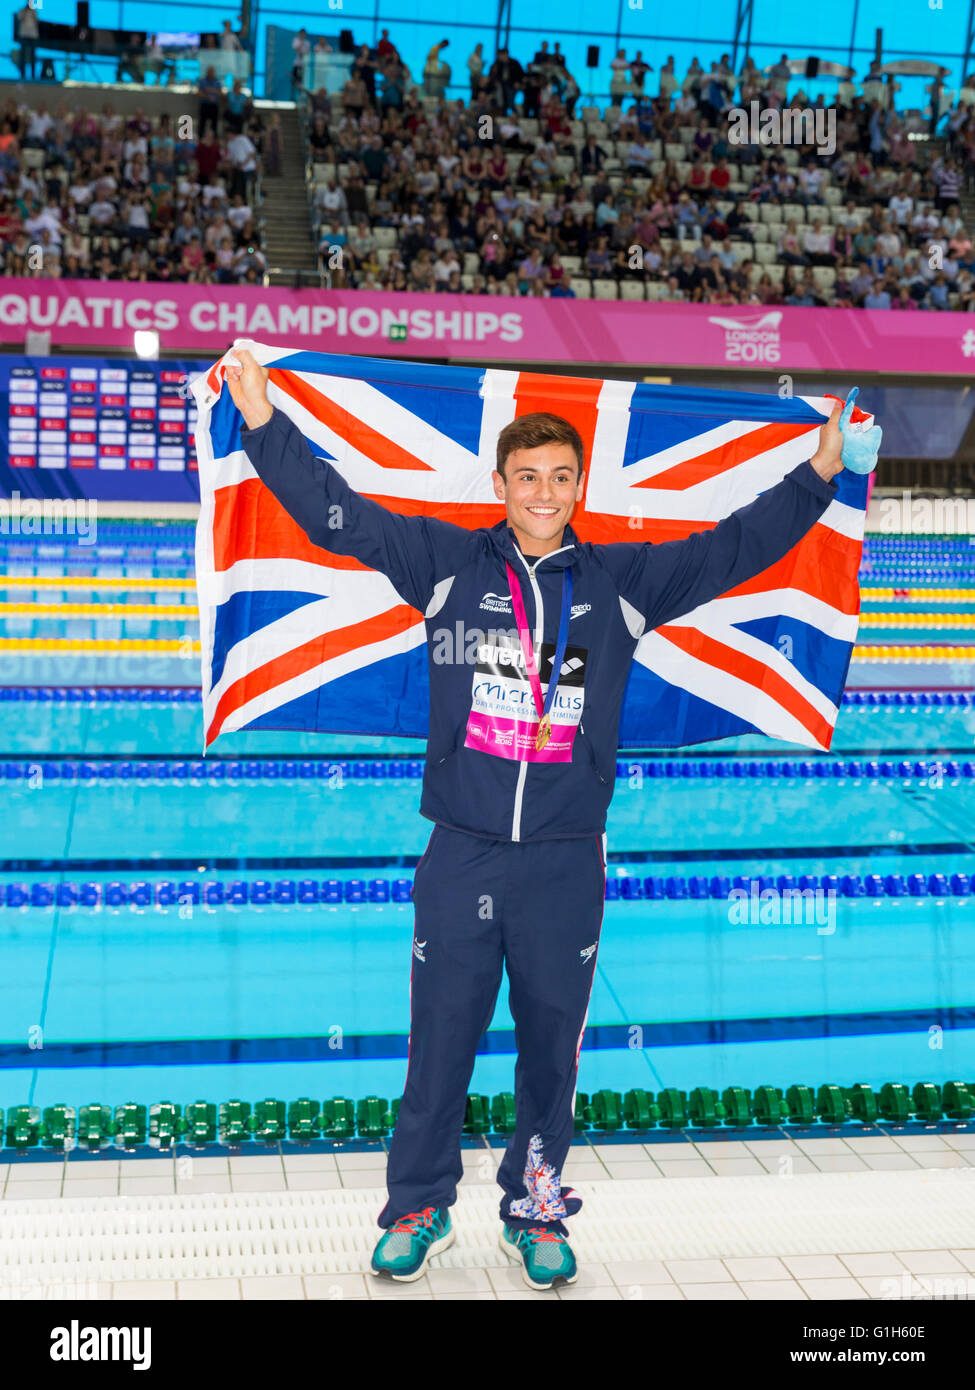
point(504, 541)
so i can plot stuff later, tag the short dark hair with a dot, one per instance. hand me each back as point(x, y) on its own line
point(532, 431)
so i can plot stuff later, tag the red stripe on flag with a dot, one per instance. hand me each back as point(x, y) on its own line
point(361, 436)
point(725, 457)
point(470, 515)
point(755, 673)
point(575, 399)
point(824, 563)
point(605, 528)
point(249, 523)
point(304, 658)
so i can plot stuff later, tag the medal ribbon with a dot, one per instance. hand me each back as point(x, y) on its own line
point(518, 604)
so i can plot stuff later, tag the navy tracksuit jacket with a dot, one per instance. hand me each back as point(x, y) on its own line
point(514, 872)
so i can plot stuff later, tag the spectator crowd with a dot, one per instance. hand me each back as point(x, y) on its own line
point(512, 193)
point(515, 190)
point(113, 197)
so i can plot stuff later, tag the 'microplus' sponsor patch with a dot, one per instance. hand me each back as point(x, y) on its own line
point(503, 718)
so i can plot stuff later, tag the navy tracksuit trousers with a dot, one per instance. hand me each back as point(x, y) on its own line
point(536, 908)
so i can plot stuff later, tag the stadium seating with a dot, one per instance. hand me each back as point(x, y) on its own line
point(766, 191)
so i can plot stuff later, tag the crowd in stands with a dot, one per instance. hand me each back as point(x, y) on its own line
point(113, 197)
point(518, 190)
point(512, 193)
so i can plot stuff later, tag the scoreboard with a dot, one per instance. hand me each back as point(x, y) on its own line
point(99, 418)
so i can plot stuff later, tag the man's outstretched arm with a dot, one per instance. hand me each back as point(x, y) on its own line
point(414, 552)
point(667, 580)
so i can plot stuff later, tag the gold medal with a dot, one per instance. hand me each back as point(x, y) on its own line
point(544, 732)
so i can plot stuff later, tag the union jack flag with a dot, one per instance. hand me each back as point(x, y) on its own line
point(294, 637)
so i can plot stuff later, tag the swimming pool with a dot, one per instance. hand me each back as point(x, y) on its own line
point(144, 959)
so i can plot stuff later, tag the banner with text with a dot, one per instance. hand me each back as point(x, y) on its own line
point(207, 318)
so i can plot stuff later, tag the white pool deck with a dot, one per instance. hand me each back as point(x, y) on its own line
point(811, 1218)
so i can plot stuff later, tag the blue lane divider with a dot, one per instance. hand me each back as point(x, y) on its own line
point(184, 694)
point(117, 534)
point(68, 552)
point(138, 529)
point(150, 531)
point(307, 891)
point(118, 531)
point(336, 771)
point(821, 768)
point(178, 562)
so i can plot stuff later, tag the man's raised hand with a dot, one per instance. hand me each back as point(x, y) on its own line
point(248, 388)
point(843, 445)
point(826, 460)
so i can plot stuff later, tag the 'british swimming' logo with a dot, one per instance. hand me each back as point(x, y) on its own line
point(496, 603)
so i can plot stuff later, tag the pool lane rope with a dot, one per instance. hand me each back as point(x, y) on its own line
point(99, 582)
point(61, 1128)
point(798, 890)
point(902, 701)
point(134, 582)
point(100, 610)
point(189, 646)
point(190, 611)
point(335, 770)
point(107, 646)
point(868, 595)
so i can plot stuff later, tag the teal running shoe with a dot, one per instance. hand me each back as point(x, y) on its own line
point(405, 1250)
point(547, 1258)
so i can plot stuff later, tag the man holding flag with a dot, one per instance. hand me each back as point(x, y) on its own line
point(519, 775)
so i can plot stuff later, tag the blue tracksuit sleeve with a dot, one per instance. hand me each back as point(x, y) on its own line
point(414, 552)
point(667, 580)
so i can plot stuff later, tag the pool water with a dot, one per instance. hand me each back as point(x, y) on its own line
point(159, 997)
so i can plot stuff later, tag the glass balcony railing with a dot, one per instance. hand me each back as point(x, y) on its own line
point(328, 70)
point(161, 67)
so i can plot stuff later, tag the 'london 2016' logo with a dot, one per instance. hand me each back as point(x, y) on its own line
point(751, 339)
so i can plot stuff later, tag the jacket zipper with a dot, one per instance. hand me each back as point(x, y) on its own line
point(592, 752)
point(539, 630)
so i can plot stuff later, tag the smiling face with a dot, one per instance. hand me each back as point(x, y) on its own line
point(540, 488)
